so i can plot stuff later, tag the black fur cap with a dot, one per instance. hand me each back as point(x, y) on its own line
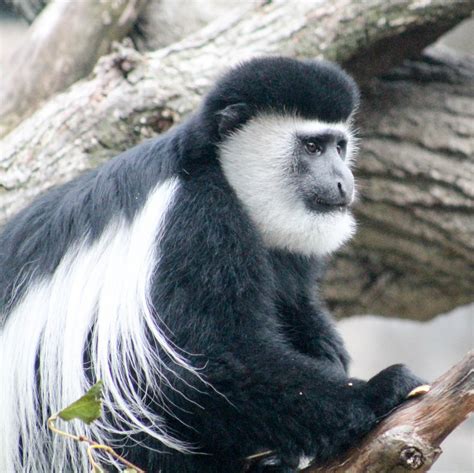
point(311, 89)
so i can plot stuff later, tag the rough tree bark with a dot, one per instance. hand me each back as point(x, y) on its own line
point(414, 252)
point(62, 46)
point(164, 22)
point(161, 22)
point(133, 96)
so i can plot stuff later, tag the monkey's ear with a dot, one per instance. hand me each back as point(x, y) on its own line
point(231, 117)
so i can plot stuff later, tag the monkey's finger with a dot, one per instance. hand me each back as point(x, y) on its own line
point(419, 390)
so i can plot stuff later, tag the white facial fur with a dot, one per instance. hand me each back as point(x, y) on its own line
point(257, 160)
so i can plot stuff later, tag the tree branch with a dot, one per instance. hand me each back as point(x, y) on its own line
point(62, 46)
point(132, 96)
point(409, 439)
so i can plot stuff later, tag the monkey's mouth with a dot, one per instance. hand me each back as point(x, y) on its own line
point(317, 204)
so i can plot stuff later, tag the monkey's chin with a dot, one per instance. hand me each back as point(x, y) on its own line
point(331, 231)
point(311, 233)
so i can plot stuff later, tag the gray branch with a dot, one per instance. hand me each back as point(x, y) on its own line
point(131, 96)
point(61, 46)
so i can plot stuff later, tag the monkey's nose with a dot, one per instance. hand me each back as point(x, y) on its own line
point(346, 189)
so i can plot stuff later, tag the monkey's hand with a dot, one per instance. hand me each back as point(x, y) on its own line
point(391, 387)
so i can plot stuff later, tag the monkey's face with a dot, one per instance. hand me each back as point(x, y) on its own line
point(322, 155)
point(293, 177)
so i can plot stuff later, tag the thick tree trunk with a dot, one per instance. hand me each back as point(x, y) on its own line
point(132, 96)
point(414, 252)
point(61, 46)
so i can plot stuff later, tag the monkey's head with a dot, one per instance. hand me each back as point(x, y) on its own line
point(283, 129)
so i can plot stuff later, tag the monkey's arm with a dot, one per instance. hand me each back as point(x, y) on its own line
point(311, 331)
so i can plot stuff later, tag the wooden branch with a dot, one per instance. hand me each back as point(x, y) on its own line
point(161, 22)
point(62, 46)
point(131, 97)
point(164, 22)
point(410, 438)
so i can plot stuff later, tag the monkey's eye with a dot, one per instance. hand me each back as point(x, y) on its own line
point(341, 147)
point(313, 148)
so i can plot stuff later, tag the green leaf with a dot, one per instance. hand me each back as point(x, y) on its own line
point(129, 470)
point(88, 408)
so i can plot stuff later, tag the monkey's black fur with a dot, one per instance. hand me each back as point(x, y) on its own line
point(247, 315)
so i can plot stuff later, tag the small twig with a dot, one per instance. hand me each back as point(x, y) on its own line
point(258, 455)
point(95, 465)
point(92, 446)
point(110, 451)
point(63, 433)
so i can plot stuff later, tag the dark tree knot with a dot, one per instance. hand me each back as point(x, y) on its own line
point(412, 457)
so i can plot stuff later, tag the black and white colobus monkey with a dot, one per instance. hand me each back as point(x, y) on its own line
point(181, 273)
